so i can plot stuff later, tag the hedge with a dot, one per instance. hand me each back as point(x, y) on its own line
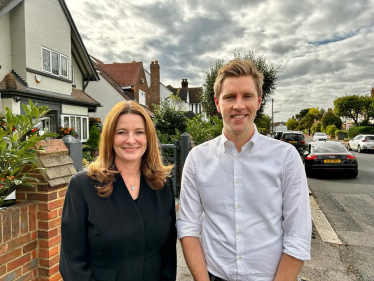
point(354, 131)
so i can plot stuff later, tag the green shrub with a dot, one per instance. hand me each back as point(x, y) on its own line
point(94, 138)
point(354, 131)
point(18, 137)
point(202, 131)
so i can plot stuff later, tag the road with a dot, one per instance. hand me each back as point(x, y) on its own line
point(348, 204)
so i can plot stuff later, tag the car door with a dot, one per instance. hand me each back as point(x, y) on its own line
point(356, 141)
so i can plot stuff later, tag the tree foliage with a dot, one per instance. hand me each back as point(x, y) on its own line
point(292, 124)
point(269, 71)
point(202, 131)
point(170, 121)
point(331, 119)
point(353, 106)
point(264, 122)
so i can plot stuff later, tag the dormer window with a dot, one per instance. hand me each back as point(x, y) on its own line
point(142, 97)
point(54, 63)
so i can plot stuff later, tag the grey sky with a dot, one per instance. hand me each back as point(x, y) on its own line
point(325, 48)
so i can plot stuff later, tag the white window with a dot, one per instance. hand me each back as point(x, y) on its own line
point(54, 63)
point(78, 123)
point(64, 66)
point(142, 97)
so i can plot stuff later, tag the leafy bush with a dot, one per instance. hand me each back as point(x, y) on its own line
point(18, 137)
point(354, 131)
point(202, 131)
point(94, 139)
point(330, 130)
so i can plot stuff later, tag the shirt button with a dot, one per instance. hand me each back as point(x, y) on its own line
point(237, 181)
point(239, 231)
point(240, 257)
point(236, 157)
point(238, 206)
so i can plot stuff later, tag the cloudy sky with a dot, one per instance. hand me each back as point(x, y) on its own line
point(325, 48)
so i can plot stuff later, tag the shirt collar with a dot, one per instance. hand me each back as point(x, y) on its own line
point(247, 146)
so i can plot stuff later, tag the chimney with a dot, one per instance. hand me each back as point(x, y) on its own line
point(372, 92)
point(154, 88)
point(184, 83)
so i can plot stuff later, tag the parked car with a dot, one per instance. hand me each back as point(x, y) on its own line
point(296, 138)
point(319, 137)
point(329, 156)
point(361, 143)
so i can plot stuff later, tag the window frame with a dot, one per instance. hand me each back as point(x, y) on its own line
point(82, 117)
point(59, 59)
point(142, 98)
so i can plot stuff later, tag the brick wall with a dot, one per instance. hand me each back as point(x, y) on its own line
point(30, 231)
point(18, 242)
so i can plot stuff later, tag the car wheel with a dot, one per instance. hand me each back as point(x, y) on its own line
point(349, 147)
point(359, 150)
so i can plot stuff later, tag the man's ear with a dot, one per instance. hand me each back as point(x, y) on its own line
point(216, 101)
point(259, 102)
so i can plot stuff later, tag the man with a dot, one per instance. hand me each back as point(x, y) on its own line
point(245, 194)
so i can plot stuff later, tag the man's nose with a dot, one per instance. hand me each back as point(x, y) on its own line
point(238, 104)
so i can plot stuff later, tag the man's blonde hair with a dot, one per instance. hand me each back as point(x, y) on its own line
point(236, 68)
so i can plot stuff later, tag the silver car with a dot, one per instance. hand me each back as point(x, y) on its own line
point(319, 137)
point(361, 143)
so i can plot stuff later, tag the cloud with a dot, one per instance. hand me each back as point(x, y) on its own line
point(324, 48)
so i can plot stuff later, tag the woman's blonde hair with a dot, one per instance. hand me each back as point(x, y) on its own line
point(104, 170)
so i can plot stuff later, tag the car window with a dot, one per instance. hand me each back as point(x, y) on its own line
point(293, 137)
point(369, 137)
point(329, 148)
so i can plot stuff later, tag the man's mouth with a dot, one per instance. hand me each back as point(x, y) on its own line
point(238, 116)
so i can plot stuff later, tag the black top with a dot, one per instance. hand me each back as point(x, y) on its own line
point(115, 239)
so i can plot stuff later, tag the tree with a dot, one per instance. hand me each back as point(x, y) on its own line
point(170, 121)
point(264, 122)
point(331, 119)
point(302, 113)
point(292, 123)
point(202, 131)
point(269, 71)
point(353, 106)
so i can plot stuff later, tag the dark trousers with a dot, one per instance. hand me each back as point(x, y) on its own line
point(214, 278)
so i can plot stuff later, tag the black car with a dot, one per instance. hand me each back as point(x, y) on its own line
point(329, 156)
point(296, 138)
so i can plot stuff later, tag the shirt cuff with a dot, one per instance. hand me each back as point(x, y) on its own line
point(186, 228)
point(297, 248)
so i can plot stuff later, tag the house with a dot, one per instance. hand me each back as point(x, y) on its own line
point(189, 97)
point(43, 59)
point(119, 82)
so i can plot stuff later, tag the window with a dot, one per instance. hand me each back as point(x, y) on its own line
point(142, 97)
point(78, 123)
point(54, 63)
point(64, 66)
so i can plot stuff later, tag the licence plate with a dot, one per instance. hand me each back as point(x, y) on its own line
point(292, 141)
point(331, 161)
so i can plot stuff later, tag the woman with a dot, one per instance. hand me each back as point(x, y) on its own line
point(118, 220)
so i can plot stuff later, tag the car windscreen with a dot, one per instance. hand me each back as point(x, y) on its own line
point(293, 137)
point(321, 134)
point(328, 148)
point(369, 138)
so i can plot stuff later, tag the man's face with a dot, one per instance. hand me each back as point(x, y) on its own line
point(238, 104)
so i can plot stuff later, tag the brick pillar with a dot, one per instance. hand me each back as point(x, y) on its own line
point(49, 195)
point(154, 89)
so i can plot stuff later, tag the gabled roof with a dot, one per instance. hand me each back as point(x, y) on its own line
point(78, 49)
point(193, 93)
point(124, 74)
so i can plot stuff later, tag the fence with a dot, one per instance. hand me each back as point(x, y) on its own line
point(178, 158)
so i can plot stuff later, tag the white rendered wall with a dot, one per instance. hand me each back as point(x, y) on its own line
point(17, 36)
point(5, 44)
point(74, 110)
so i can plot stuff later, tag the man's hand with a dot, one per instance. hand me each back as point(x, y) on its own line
point(288, 268)
point(193, 253)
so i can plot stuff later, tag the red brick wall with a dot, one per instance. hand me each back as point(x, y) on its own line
point(18, 242)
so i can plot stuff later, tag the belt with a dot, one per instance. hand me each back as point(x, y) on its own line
point(214, 278)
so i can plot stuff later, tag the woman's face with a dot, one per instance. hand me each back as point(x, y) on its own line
point(130, 139)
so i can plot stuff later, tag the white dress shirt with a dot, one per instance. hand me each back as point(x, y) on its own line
point(248, 207)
